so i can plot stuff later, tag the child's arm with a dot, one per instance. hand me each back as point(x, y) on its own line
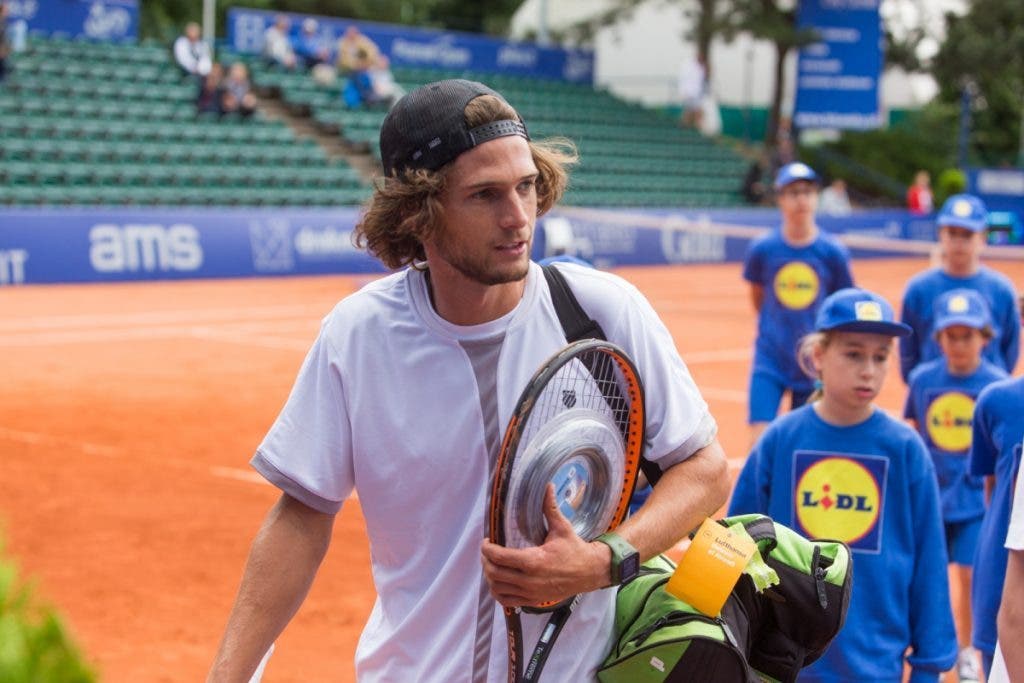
point(932, 634)
point(1009, 340)
point(756, 296)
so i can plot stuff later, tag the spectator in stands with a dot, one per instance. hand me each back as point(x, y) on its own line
point(210, 98)
point(693, 86)
point(309, 47)
point(356, 52)
point(191, 53)
point(5, 43)
point(833, 200)
point(919, 195)
point(238, 97)
point(277, 46)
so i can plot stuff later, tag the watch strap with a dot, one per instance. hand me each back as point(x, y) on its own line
point(625, 558)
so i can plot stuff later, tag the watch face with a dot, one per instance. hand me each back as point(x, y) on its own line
point(629, 568)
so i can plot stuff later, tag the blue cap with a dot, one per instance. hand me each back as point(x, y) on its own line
point(963, 211)
point(961, 307)
point(858, 310)
point(790, 173)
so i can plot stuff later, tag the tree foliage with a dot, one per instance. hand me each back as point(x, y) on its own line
point(984, 51)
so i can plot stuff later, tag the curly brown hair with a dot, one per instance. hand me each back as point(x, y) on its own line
point(406, 210)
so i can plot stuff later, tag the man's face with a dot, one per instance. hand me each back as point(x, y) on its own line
point(960, 246)
point(798, 201)
point(489, 212)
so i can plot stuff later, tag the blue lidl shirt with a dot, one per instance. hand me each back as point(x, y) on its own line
point(795, 281)
point(871, 485)
point(918, 312)
point(942, 404)
point(995, 450)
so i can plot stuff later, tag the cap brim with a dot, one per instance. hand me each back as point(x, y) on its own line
point(974, 321)
point(973, 226)
point(873, 327)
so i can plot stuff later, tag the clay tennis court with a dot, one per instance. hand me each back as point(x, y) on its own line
point(128, 414)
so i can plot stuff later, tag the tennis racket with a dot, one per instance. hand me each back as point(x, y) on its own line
point(579, 424)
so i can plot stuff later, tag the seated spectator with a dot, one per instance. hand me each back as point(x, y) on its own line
point(211, 91)
point(356, 52)
point(374, 86)
point(238, 97)
point(5, 44)
point(309, 48)
point(753, 188)
point(277, 46)
point(833, 200)
point(191, 53)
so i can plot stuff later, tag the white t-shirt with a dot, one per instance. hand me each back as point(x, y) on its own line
point(387, 403)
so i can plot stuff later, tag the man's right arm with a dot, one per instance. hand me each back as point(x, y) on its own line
point(282, 563)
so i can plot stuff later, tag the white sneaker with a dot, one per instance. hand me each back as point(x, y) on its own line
point(968, 669)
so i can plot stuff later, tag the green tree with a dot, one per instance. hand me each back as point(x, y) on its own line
point(984, 49)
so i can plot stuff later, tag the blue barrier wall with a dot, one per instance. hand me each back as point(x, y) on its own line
point(411, 46)
point(108, 20)
point(121, 244)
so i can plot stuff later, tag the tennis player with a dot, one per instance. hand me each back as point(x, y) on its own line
point(404, 398)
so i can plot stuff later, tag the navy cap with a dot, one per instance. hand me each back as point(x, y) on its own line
point(427, 128)
point(858, 310)
point(963, 211)
point(961, 307)
point(790, 173)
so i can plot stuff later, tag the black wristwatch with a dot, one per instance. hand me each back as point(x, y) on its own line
point(625, 558)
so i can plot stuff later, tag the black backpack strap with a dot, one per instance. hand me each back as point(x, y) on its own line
point(578, 325)
point(575, 322)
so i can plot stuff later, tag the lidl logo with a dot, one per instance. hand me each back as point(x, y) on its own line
point(840, 496)
point(962, 208)
point(868, 310)
point(796, 285)
point(958, 304)
point(948, 421)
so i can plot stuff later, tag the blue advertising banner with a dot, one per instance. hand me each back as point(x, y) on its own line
point(41, 245)
point(415, 47)
point(837, 77)
point(102, 20)
point(108, 245)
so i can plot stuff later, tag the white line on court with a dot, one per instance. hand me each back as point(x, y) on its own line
point(88, 448)
point(169, 317)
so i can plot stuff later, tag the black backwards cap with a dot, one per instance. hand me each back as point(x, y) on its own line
point(427, 127)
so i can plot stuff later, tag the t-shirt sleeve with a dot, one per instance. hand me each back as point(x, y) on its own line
point(753, 264)
point(933, 636)
point(910, 345)
point(841, 268)
point(753, 486)
point(983, 450)
point(307, 452)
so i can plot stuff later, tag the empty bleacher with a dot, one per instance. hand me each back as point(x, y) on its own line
point(99, 124)
point(629, 155)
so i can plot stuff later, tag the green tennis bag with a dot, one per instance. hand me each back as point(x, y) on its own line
point(784, 611)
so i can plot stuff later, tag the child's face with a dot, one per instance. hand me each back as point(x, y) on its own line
point(960, 246)
point(962, 346)
point(798, 201)
point(852, 368)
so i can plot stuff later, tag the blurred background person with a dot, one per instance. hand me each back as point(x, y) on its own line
point(191, 53)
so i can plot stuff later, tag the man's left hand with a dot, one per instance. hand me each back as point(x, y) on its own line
point(563, 566)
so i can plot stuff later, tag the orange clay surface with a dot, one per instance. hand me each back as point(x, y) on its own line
point(128, 413)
